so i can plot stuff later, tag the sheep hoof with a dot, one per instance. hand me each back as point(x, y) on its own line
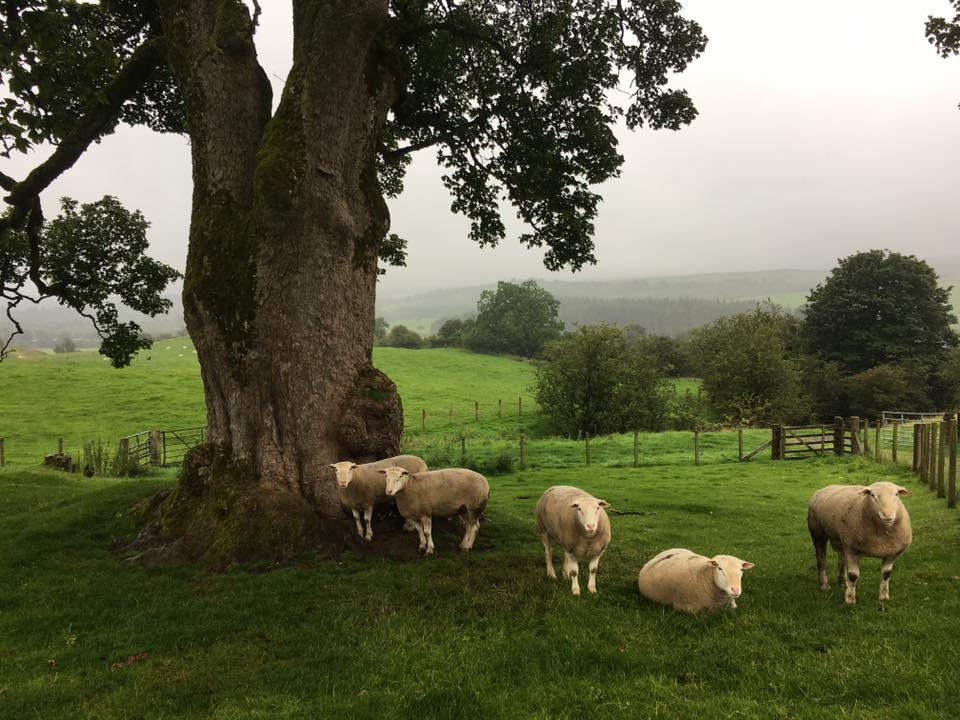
point(551, 574)
point(825, 587)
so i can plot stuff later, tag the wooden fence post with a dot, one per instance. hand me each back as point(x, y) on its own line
point(636, 449)
point(952, 466)
point(941, 490)
point(917, 442)
point(866, 437)
point(878, 443)
point(463, 449)
point(855, 448)
point(519, 406)
point(124, 453)
point(156, 446)
point(423, 419)
point(893, 450)
point(450, 417)
point(523, 451)
point(586, 439)
point(3, 457)
point(476, 410)
point(932, 457)
point(922, 463)
point(60, 446)
point(823, 440)
point(838, 435)
point(739, 444)
point(499, 408)
point(776, 442)
point(696, 447)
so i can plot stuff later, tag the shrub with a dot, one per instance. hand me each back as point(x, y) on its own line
point(403, 337)
point(65, 345)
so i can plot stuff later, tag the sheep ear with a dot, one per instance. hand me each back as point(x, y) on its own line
point(331, 465)
point(603, 503)
point(713, 563)
point(903, 491)
point(382, 472)
point(574, 504)
point(746, 565)
point(865, 491)
point(353, 465)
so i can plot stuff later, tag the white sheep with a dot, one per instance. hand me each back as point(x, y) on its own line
point(360, 487)
point(693, 583)
point(578, 523)
point(859, 521)
point(444, 493)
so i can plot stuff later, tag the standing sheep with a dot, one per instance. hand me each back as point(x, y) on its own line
point(360, 487)
point(452, 491)
point(693, 583)
point(859, 521)
point(577, 521)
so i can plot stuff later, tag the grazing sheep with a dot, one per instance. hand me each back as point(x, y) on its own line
point(693, 583)
point(361, 486)
point(452, 491)
point(859, 521)
point(577, 521)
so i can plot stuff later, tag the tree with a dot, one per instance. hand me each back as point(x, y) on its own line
point(878, 308)
point(515, 319)
point(66, 345)
point(593, 382)
point(885, 387)
point(518, 100)
point(944, 34)
point(746, 373)
point(380, 328)
point(403, 337)
point(451, 333)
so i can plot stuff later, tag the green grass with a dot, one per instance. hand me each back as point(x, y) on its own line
point(485, 634)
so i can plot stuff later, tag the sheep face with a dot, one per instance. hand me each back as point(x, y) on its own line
point(588, 514)
point(396, 479)
point(344, 472)
point(727, 572)
point(885, 500)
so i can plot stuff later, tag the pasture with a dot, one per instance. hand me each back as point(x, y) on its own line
point(484, 634)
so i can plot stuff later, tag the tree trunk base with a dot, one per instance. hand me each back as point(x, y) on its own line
point(219, 515)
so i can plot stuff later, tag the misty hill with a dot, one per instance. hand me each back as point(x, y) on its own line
point(667, 305)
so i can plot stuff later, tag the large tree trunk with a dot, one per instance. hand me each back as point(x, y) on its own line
point(287, 222)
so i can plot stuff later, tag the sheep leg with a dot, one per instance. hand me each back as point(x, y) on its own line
point(474, 531)
point(851, 564)
point(886, 570)
point(418, 526)
point(368, 519)
point(427, 523)
point(571, 570)
point(841, 569)
point(821, 551)
point(468, 532)
point(356, 519)
point(548, 554)
point(592, 581)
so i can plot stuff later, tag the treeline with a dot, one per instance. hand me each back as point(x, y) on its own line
point(659, 316)
point(876, 335)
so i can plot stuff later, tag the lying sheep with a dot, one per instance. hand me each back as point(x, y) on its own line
point(452, 491)
point(577, 521)
point(859, 521)
point(693, 583)
point(360, 487)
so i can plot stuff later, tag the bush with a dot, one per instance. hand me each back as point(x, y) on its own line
point(515, 320)
point(885, 387)
point(403, 337)
point(594, 382)
point(689, 412)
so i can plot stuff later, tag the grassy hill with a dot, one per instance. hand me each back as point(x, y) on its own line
point(85, 635)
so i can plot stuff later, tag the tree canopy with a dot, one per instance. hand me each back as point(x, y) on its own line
point(879, 307)
point(517, 319)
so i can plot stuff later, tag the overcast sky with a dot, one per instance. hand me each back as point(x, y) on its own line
point(825, 128)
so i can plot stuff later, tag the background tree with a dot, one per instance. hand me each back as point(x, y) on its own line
point(403, 337)
point(380, 328)
point(746, 373)
point(452, 333)
point(666, 352)
point(594, 382)
point(944, 34)
point(65, 345)
point(518, 100)
point(884, 387)
point(876, 308)
point(515, 319)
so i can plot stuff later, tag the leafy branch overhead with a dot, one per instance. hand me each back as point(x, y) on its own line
point(518, 100)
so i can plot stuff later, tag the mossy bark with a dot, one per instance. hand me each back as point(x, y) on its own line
point(281, 272)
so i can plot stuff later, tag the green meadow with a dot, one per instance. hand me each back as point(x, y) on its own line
point(84, 634)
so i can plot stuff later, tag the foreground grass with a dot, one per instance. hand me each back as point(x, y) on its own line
point(483, 635)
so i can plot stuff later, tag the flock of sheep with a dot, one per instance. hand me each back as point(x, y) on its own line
point(858, 521)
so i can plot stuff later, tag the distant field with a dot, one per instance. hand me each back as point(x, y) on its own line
point(80, 397)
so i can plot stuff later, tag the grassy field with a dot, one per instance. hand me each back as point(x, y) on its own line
point(486, 634)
